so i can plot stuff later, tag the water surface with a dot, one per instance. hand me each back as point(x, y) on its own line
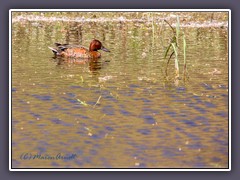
point(144, 119)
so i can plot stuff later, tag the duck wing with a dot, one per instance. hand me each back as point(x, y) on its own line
point(68, 50)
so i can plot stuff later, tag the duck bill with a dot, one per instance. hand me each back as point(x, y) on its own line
point(104, 49)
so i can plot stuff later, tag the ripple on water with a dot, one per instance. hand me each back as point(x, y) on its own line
point(199, 109)
point(72, 101)
point(81, 116)
point(182, 100)
point(203, 120)
point(180, 129)
point(171, 113)
point(110, 98)
point(96, 136)
point(82, 131)
point(58, 121)
point(140, 147)
point(198, 99)
point(149, 119)
point(86, 159)
point(195, 145)
point(144, 131)
point(145, 100)
point(93, 152)
point(221, 142)
point(79, 162)
point(133, 86)
point(222, 114)
point(150, 110)
point(70, 94)
point(14, 144)
point(105, 162)
point(75, 87)
point(87, 142)
point(109, 128)
point(222, 86)
point(54, 164)
point(207, 86)
point(141, 165)
point(55, 107)
point(169, 152)
point(216, 159)
point(108, 110)
point(181, 89)
point(79, 152)
point(42, 97)
point(43, 143)
point(106, 94)
point(190, 123)
point(41, 125)
point(41, 150)
point(35, 115)
point(209, 104)
point(199, 165)
point(193, 137)
point(14, 122)
point(125, 112)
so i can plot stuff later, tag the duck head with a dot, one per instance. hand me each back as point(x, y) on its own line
point(97, 45)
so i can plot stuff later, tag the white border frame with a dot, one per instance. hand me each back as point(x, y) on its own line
point(118, 10)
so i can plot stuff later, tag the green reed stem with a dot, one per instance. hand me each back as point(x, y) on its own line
point(176, 58)
point(177, 29)
point(184, 56)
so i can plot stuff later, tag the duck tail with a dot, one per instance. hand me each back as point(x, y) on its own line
point(57, 44)
point(55, 51)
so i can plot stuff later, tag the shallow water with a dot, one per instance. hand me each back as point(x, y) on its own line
point(143, 118)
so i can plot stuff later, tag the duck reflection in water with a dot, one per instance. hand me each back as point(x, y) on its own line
point(94, 64)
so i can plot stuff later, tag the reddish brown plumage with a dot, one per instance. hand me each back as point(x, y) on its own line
point(77, 51)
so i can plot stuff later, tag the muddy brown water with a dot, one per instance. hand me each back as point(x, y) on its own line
point(143, 119)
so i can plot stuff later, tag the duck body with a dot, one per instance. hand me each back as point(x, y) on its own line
point(78, 51)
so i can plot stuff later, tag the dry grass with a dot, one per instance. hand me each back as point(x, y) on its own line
point(185, 16)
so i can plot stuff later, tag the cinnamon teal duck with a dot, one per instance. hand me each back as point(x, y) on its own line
point(78, 51)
